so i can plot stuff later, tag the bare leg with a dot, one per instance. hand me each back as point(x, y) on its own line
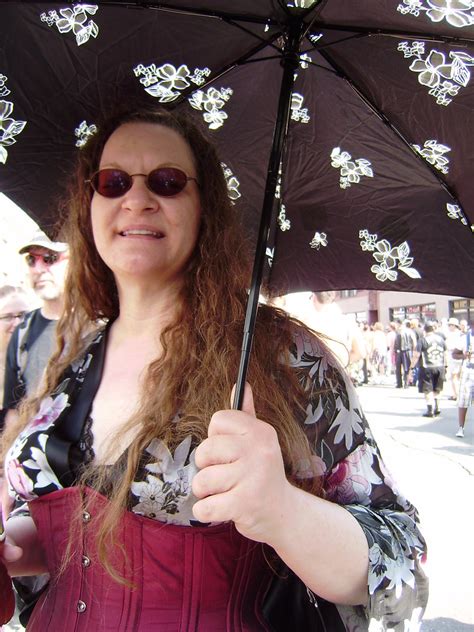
point(462, 416)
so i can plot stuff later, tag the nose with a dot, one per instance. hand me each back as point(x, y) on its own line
point(139, 198)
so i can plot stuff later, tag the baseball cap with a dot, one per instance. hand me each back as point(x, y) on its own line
point(42, 240)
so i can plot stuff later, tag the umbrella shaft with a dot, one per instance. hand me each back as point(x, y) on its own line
point(290, 63)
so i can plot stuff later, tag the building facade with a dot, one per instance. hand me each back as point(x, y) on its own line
point(385, 306)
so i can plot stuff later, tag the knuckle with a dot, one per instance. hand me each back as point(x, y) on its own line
point(201, 456)
point(203, 511)
point(198, 486)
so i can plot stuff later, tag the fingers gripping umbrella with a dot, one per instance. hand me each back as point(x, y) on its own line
point(347, 123)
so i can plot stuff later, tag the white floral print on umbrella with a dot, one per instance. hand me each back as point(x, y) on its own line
point(444, 77)
point(269, 254)
point(283, 222)
point(233, 183)
point(298, 112)
point(211, 103)
point(83, 132)
point(454, 211)
point(74, 19)
point(351, 170)
point(433, 152)
point(457, 13)
point(9, 127)
point(319, 239)
point(165, 82)
point(390, 260)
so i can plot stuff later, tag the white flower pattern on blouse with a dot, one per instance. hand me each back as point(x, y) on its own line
point(344, 454)
point(167, 491)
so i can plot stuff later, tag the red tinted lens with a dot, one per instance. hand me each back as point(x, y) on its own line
point(111, 183)
point(167, 181)
point(50, 259)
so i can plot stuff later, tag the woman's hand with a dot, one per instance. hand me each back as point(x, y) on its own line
point(9, 551)
point(242, 475)
point(20, 550)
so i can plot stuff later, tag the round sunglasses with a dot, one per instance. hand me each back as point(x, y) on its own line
point(164, 181)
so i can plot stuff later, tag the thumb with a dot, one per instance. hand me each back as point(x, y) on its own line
point(11, 553)
point(247, 405)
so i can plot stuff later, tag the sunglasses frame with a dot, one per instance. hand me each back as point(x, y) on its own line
point(130, 177)
point(9, 317)
point(49, 259)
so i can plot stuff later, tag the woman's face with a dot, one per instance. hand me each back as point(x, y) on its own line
point(142, 235)
point(12, 311)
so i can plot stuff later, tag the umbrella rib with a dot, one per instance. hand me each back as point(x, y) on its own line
point(242, 60)
point(259, 37)
point(387, 121)
point(363, 30)
point(163, 6)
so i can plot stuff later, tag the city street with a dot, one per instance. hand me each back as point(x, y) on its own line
point(434, 469)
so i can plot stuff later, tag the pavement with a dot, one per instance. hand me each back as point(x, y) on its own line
point(434, 469)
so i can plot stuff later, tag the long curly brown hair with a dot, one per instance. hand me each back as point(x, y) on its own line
point(201, 348)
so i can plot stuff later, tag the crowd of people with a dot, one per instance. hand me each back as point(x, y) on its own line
point(135, 499)
point(435, 357)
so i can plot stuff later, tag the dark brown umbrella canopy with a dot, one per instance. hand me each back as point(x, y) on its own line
point(376, 187)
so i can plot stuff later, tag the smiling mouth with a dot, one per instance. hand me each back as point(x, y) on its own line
point(141, 233)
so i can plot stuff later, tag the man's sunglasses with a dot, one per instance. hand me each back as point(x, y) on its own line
point(164, 181)
point(48, 259)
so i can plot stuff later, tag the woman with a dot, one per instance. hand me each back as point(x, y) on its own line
point(178, 514)
point(14, 304)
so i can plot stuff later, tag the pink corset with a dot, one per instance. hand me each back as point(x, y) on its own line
point(186, 579)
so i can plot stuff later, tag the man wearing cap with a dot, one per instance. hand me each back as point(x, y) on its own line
point(455, 346)
point(33, 341)
point(28, 352)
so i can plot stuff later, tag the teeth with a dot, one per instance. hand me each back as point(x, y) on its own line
point(140, 232)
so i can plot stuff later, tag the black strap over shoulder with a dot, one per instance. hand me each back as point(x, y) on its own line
point(69, 429)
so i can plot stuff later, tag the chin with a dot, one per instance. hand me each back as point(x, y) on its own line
point(48, 294)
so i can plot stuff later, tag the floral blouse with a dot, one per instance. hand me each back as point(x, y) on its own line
point(345, 454)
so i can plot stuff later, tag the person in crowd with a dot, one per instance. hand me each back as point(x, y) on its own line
point(33, 342)
point(14, 304)
point(440, 327)
point(405, 344)
point(391, 332)
point(151, 503)
point(466, 385)
point(342, 334)
point(418, 331)
point(431, 351)
point(367, 339)
point(28, 352)
point(455, 344)
point(378, 359)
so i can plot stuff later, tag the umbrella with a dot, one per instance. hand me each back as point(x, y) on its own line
point(347, 123)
